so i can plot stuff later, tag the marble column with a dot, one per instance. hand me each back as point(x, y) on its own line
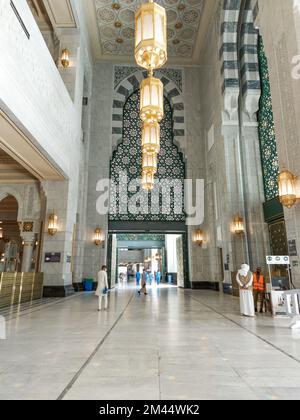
point(234, 247)
point(28, 240)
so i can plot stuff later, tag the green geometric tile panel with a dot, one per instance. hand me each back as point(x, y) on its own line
point(128, 156)
point(266, 128)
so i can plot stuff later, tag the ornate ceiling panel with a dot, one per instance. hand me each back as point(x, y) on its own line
point(115, 20)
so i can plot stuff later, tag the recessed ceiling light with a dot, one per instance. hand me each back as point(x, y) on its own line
point(116, 6)
point(120, 40)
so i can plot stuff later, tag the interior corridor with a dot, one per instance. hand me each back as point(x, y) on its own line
point(172, 344)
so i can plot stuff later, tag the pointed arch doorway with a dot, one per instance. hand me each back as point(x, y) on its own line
point(141, 215)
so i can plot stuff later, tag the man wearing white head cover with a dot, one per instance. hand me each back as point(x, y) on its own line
point(245, 280)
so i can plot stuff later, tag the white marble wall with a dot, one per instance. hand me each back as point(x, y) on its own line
point(281, 36)
point(225, 152)
point(46, 103)
point(99, 162)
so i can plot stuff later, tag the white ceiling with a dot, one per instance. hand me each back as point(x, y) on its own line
point(111, 26)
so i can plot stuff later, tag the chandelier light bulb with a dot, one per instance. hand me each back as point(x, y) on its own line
point(149, 162)
point(147, 180)
point(152, 100)
point(151, 138)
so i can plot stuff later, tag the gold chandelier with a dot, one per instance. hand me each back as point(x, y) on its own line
point(151, 36)
point(149, 162)
point(152, 100)
point(151, 54)
point(151, 138)
point(147, 180)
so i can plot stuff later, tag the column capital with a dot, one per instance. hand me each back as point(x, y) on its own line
point(28, 238)
point(231, 105)
point(29, 226)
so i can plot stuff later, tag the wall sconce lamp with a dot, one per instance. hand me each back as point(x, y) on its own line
point(98, 237)
point(65, 58)
point(238, 225)
point(198, 237)
point(52, 224)
point(1, 233)
point(288, 185)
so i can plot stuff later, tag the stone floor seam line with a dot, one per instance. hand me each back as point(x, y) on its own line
point(38, 308)
point(90, 358)
point(159, 372)
point(246, 329)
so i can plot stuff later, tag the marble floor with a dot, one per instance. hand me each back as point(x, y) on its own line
point(172, 344)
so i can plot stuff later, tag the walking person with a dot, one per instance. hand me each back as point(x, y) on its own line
point(244, 279)
point(150, 278)
point(259, 289)
point(138, 278)
point(144, 283)
point(102, 289)
point(158, 277)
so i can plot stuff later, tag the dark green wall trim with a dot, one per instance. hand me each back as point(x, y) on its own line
point(266, 129)
point(78, 287)
point(58, 291)
point(146, 227)
point(205, 285)
point(273, 210)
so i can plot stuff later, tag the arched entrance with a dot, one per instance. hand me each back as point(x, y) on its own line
point(136, 216)
point(10, 239)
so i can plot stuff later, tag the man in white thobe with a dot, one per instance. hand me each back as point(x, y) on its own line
point(102, 289)
point(244, 279)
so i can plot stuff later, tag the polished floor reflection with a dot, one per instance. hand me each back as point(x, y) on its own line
point(171, 344)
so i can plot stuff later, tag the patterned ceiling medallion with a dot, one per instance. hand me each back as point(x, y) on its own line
point(127, 48)
point(181, 7)
point(108, 32)
point(190, 16)
point(171, 16)
point(178, 25)
point(110, 47)
point(128, 33)
point(171, 2)
point(127, 16)
point(183, 22)
point(187, 34)
point(116, 6)
point(101, 3)
point(106, 15)
point(184, 50)
point(170, 33)
point(194, 2)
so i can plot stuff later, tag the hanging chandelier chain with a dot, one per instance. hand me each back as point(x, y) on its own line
point(151, 54)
